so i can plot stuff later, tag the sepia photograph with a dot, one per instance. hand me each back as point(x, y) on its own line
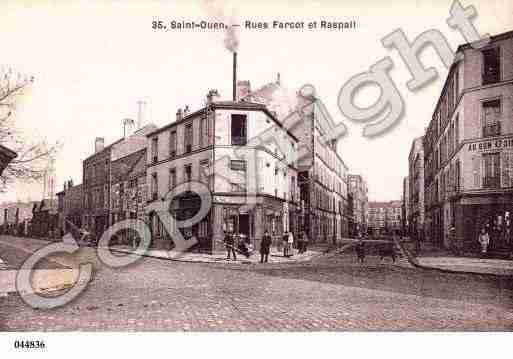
point(287, 177)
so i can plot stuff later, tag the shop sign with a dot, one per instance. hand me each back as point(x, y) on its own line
point(490, 145)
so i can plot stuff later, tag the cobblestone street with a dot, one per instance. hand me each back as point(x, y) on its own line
point(331, 292)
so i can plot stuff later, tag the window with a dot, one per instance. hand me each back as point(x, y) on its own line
point(187, 173)
point(492, 170)
point(239, 187)
point(205, 171)
point(456, 84)
point(155, 149)
point(172, 178)
point(106, 196)
point(457, 175)
point(457, 131)
point(238, 165)
point(238, 128)
point(292, 188)
point(172, 143)
point(154, 186)
point(491, 118)
point(203, 132)
point(188, 138)
point(491, 66)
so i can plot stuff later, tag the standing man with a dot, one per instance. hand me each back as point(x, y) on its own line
point(285, 240)
point(290, 243)
point(265, 247)
point(484, 240)
point(229, 241)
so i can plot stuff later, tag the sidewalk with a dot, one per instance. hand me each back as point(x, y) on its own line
point(274, 256)
point(469, 265)
point(445, 262)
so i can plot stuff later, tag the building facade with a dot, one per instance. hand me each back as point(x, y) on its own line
point(468, 148)
point(385, 217)
point(70, 207)
point(98, 176)
point(416, 191)
point(253, 184)
point(16, 217)
point(322, 172)
point(129, 190)
point(406, 205)
point(358, 189)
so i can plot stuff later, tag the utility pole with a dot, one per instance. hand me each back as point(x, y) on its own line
point(140, 113)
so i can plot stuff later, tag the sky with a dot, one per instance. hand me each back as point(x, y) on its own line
point(93, 60)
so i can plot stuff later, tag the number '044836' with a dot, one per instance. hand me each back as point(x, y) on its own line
point(29, 344)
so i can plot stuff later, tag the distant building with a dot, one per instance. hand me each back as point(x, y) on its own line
point(45, 219)
point(70, 204)
point(416, 208)
point(385, 217)
point(406, 205)
point(98, 173)
point(358, 188)
point(129, 190)
point(16, 216)
point(322, 172)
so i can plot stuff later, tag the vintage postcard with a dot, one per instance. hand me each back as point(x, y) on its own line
point(229, 166)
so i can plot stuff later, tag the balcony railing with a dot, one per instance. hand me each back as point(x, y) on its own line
point(491, 182)
point(492, 129)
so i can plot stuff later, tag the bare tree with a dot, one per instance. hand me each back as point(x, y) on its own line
point(33, 157)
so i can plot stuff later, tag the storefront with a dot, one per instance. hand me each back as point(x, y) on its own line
point(492, 212)
point(231, 214)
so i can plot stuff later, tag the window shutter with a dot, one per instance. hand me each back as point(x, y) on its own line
point(476, 163)
point(506, 169)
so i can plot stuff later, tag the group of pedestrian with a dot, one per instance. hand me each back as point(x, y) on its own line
point(234, 244)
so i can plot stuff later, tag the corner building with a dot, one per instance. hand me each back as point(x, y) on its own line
point(216, 146)
point(468, 148)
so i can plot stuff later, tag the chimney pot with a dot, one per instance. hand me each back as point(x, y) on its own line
point(99, 144)
point(128, 127)
point(212, 96)
point(243, 89)
point(179, 114)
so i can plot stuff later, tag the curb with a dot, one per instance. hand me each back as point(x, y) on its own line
point(414, 262)
point(220, 262)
